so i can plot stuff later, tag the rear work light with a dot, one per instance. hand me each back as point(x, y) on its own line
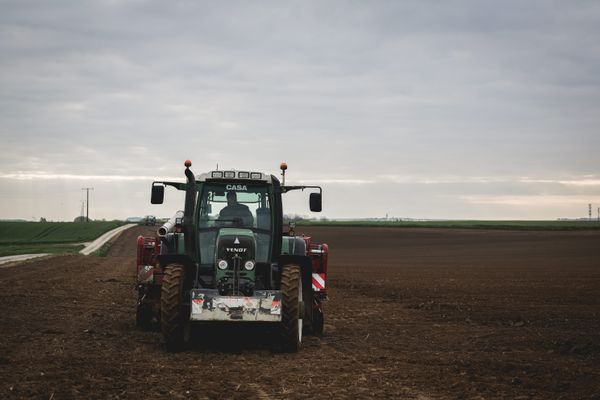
point(229, 174)
point(243, 175)
point(216, 174)
point(256, 175)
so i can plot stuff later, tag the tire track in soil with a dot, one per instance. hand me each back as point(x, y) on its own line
point(434, 327)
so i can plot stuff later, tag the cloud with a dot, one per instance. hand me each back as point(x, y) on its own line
point(571, 182)
point(71, 177)
point(465, 97)
point(383, 179)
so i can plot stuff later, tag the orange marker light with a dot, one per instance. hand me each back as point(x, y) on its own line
point(188, 163)
point(283, 166)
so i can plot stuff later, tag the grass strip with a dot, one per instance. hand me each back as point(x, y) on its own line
point(13, 250)
point(103, 250)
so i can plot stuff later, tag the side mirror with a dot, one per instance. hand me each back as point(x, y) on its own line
point(315, 202)
point(158, 194)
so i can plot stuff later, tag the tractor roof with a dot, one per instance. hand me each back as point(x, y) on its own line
point(233, 175)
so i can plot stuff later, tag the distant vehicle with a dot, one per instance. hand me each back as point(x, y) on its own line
point(150, 220)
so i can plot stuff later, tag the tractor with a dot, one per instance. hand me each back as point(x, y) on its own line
point(150, 220)
point(226, 257)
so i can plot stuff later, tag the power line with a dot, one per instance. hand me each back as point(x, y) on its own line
point(87, 215)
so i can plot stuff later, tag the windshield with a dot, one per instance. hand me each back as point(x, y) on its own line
point(238, 206)
point(242, 206)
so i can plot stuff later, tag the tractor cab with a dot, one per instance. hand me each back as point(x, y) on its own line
point(236, 229)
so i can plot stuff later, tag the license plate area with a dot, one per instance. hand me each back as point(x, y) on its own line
point(208, 305)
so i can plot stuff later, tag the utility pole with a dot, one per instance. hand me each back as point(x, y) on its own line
point(590, 211)
point(87, 215)
point(598, 213)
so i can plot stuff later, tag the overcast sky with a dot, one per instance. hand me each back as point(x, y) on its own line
point(423, 109)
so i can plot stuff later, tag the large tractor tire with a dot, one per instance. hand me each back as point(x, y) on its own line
point(308, 311)
point(172, 315)
point(313, 319)
point(290, 334)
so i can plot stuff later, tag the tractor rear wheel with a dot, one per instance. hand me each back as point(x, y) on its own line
point(172, 317)
point(290, 335)
point(318, 320)
point(143, 316)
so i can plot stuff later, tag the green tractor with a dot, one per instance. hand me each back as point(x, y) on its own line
point(225, 257)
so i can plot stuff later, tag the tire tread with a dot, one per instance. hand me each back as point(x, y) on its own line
point(290, 308)
point(170, 306)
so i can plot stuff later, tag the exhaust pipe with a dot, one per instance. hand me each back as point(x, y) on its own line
point(170, 224)
point(190, 204)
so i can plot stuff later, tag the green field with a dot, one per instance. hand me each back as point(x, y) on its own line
point(466, 224)
point(15, 249)
point(49, 237)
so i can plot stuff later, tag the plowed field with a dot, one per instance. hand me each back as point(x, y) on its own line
point(413, 313)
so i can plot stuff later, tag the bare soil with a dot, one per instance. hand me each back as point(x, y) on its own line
point(413, 314)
